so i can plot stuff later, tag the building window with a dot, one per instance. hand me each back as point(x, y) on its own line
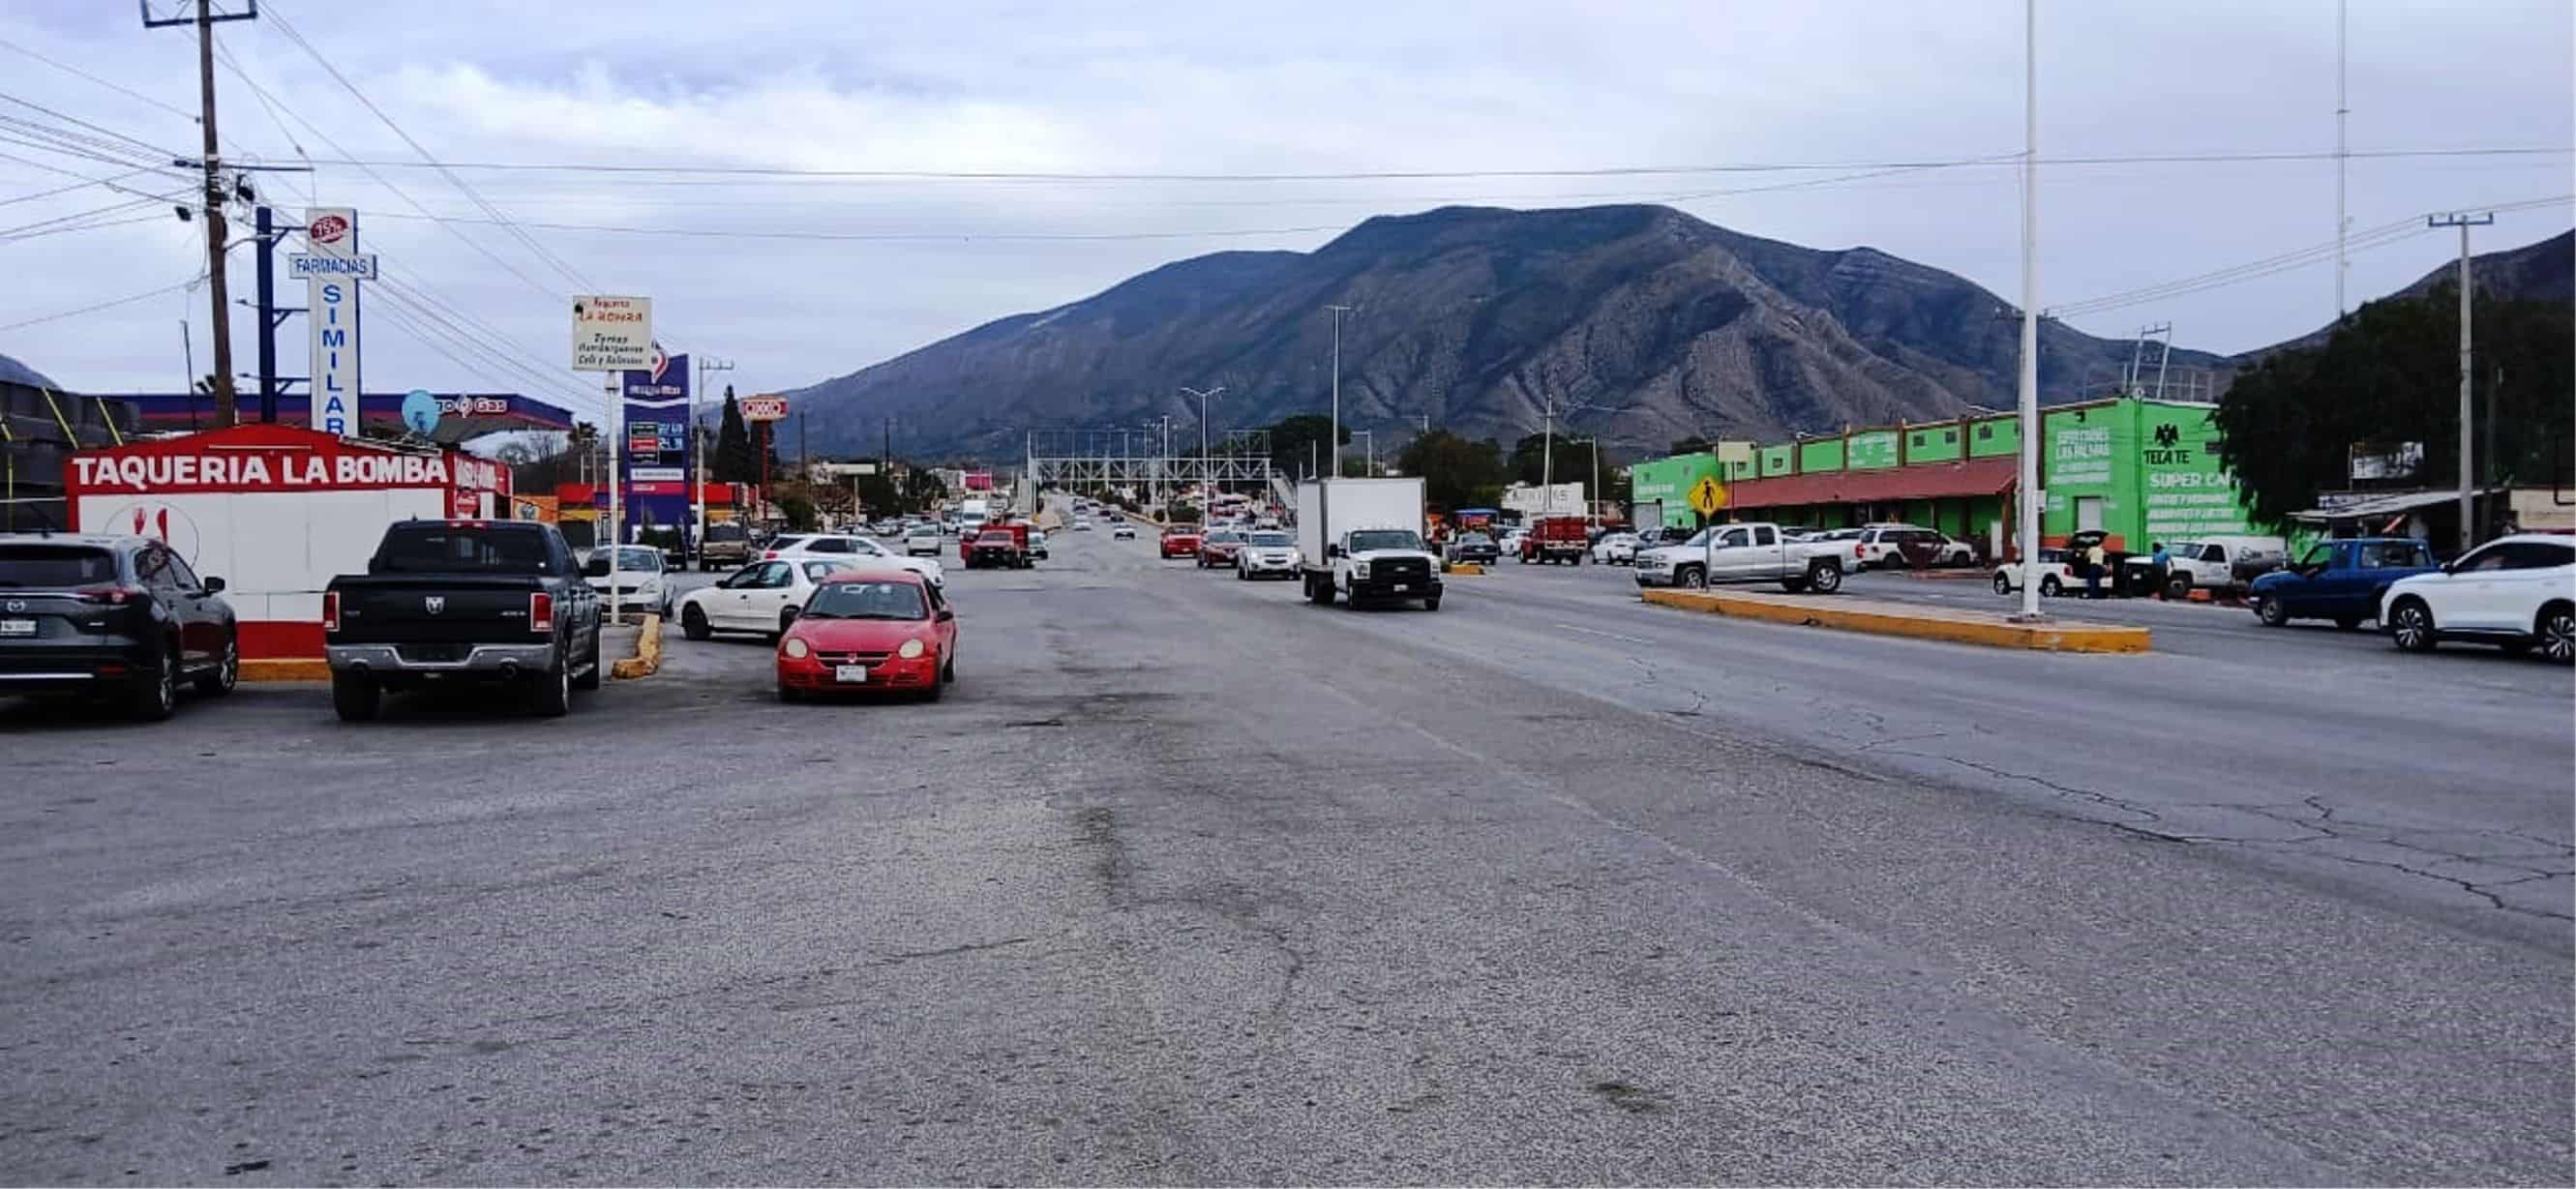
point(1918, 439)
point(1985, 433)
point(1950, 435)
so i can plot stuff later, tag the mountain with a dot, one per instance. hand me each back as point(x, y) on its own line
point(14, 372)
point(1640, 323)
point(2541, 271)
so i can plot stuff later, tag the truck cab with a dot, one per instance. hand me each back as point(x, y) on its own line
point(1360, 540)
point(1743, 553)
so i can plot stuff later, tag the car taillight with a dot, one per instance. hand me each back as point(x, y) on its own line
point(330, 610)
point(541, 612)
point(768, 555)
point(1860, 551)
point(114, 595)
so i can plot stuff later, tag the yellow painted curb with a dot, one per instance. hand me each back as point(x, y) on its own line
point(1463, 567)
point(1921, 623)
point(648, 653)
point(286, 668)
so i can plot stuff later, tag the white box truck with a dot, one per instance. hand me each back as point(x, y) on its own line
point(1360, 540)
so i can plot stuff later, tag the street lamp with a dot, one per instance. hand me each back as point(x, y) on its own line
point(1204, 468)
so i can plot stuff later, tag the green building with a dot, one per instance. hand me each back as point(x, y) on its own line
point(1660, 489)
point(2140, 470)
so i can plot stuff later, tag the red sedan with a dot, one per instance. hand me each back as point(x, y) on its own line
point(1181, 540)
point(868, 631)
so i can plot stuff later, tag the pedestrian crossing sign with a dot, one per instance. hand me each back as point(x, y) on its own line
point(1708, 495)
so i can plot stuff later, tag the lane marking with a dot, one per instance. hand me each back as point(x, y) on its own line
point(1598, 632)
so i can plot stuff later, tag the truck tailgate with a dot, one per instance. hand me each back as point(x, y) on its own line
point(433, 608)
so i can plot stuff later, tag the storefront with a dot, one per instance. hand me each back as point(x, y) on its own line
point(1660, 489)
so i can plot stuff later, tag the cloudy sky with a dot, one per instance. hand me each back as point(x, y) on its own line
point(798, 274)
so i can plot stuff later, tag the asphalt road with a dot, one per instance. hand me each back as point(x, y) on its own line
point(1188, 881)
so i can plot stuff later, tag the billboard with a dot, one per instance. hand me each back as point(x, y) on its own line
point(331, 313)
point(655, 401)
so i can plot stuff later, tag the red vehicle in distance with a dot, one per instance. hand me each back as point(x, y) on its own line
point(1218, 547)
point(871, 631)
point(996, 547)
point(1556, 539)
point(1180, 540)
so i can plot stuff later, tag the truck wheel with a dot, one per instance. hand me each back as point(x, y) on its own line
point(1694, 578)
point(153, 698)
point(1319, 591)
point(550, 695)
point(2050, 586)
point(2410, 623)
point(693, 622)
point(2271, 612)
point(2178, 587)
point(1825, 579)
point(356, 697)
point(1431, 604)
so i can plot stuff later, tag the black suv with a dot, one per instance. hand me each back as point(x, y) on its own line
point(122, 617)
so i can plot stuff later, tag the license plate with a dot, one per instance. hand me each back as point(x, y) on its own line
point(1404, 586)
point(850, 674)
point(17, 627)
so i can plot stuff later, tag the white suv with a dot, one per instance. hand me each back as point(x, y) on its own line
point(2518, 592)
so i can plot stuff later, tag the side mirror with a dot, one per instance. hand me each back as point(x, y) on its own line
point(1333, 550)
point(946, 614)
point(214, 585)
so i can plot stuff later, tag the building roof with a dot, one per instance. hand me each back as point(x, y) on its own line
point(2388, 504)
point(1948, 480)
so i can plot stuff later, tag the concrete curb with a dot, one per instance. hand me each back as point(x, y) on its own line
point(285, 668)
point(1462, 567)
point(1921, 623)
point(648, 653)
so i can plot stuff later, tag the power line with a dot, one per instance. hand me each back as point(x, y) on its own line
point(1427, 175)
point(98, 226)
point(9, 233)
point(890, 236)
point(77, 72)
point(104, 305)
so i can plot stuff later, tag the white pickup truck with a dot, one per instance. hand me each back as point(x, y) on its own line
point(2218, 563)
point(1737, 553)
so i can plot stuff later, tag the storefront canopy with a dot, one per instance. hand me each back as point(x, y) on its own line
point(2367, 507)
point(1980, 476)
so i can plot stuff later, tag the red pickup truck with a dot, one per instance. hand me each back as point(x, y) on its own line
point(1180, 540)
point(1556, 539)
point(1001, 546)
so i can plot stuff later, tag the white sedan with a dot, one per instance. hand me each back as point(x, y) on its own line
point(1615, 549)
point(841, 546)
point(1124, 532)
point(640, 582)
point(762, 597)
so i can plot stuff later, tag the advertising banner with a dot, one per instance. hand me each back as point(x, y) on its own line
point(1872, 451)
point(331, 311)
point(658, 441)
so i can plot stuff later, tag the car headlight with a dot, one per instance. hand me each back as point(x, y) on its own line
point(1359, 569)
point(798, 648)
point(911, 649)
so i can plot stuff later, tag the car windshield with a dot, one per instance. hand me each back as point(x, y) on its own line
point(1475, 539)
point(55, 567)
point(996, 539)
point(1181, 530)
point(629, 560)
point(782, 544)
point(1271, 540)
point(438, 548)
point(867, 600)
point(1225, 536)
point(1698, 540)
point(1385, 538)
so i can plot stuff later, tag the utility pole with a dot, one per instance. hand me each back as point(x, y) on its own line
point(2342, 111)
point(698, 475)
point(2029, 526)
point(1205, 469)
point(205, 20)
point(1338, 311)
point(1547, 458)
point(1368, 460)
point(2468, 477)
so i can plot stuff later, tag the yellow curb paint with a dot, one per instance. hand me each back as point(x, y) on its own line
point(648, 653)
point(1463, 567)
point(286, 668)
point(1920, 623)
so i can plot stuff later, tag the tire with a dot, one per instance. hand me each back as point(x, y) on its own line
point(550, 695)
point(948, 668)
point(2050, 586)
point(786, 619)
point(2271, 612)
point(155, 699)
point(356, 697)
point(1431, 604)
point(1691, 578)
point(936, 689)
point(1793, 585)
point(2556, 632)
point(2178, 587)
point(1825, 579)
point(598, 670)
point(693, 622)
point(2410, 625)
point(1242, 575)
point(2003, 584)
point(227, 672)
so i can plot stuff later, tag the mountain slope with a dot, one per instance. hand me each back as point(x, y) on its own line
point(2541, 271)
point(1640, 323)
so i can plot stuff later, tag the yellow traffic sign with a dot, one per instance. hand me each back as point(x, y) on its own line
point(1708, 495)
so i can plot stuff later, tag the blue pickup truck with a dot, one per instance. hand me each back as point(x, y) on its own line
point(2339, 580)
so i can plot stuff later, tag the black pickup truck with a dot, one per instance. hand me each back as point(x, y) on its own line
point(455, 601)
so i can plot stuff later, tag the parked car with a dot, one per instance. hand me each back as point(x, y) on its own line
point(1218, 547)
point(761, 598)
point(1906, 546)
point(122, 618)
point(641, 584)
point(921, 539)
point(1123, 532)
point(726, 544)
point(866, 633)
point(446, 602)
point(2517, 592)
point(1616, 549)
point(829, 546)
point(2055, 569)
point(1038, 544)
point(2339, 580)
point(1473, 547)
point(2211, 564)
point(1180, 540)
point(1736, 553)
point(1266, 554)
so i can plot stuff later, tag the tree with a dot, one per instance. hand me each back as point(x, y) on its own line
point(923, 488)
point(798, 510)
point(2390, 375)
point(734, 460)
point(1297, 443)
point(1455, 472)
point(1574, 464)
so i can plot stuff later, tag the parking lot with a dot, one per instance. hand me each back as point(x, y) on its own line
point(1189, 881)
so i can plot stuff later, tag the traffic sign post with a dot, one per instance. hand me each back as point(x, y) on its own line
point(613, 335)
point(1708, 496)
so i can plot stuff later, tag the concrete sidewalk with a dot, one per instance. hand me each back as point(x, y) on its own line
point(1882, 618)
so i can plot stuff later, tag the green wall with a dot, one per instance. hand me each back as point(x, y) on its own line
point(1669, 481)
point(2153, 464)
point(1933, 443)
point(1779, 460)
point(1873, 451)
point(1823, 454)
point(1993, 436)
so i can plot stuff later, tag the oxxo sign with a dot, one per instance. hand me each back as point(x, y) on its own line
point(331, 272)
point(764, 408)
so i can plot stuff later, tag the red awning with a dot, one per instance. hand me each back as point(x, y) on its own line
point(1950, 480)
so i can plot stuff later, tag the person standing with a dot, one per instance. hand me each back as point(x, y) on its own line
point(2093, 559)
point(2163, 565)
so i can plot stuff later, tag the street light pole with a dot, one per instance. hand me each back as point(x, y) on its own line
point(1338, 311)
point(1368, 463)
point(2468, 523)
point(1204, 468)
point(698, 480)
point(2030, 442)
point(1547, 458)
